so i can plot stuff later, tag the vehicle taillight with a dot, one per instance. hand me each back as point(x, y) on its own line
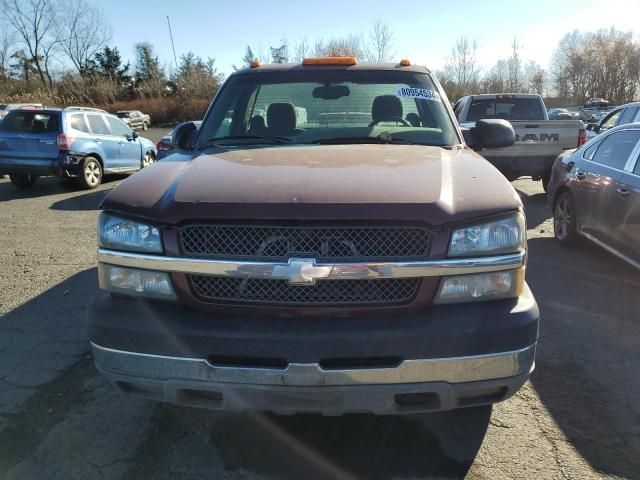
point(64, 141)
point(582, 137)
point(164, 146)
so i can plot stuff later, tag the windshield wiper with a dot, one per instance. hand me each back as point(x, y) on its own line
point(282, 140)
point(383, 138)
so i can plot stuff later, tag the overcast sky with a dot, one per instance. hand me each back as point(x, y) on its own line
point(424, 31)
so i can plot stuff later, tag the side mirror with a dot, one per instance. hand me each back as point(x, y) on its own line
point(135, 135)
point(183, 135)
point(589, 126)
point(494, 133)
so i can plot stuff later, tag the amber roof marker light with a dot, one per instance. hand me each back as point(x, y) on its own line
point(330, 61)
point(255, 64)
point(405, 63)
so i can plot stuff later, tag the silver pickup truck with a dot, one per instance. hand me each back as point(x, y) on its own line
point(538, 140)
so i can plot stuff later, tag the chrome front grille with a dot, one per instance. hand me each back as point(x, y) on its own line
point(324, 243)
point(392, 291)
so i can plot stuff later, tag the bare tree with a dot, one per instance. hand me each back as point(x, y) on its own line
point(301, 50)
point(604, 64)
point(7, 44)
point(35, 23)
point(350, 46)
point(515, 68)
point(461, 65)
point(380, 45)
point(84, 33)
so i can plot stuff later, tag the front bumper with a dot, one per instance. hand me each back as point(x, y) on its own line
point(414, 386)
point(445, 357)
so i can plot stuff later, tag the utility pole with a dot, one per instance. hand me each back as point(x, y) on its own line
point(175, 59)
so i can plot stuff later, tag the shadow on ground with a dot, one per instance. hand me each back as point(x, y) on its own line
point(44, 362)
point(589, 351)
point(55, 186)
point(85, 201)
point(536, 208)
point(440, 445)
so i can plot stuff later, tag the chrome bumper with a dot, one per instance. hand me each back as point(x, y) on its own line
point(415, 386)
point(449, 370)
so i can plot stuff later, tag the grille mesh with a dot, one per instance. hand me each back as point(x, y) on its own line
point(325, 292)
point(322, 243)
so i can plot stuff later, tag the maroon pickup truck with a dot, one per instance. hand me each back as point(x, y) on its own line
point(326, 241)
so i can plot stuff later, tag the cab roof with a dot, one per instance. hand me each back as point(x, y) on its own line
point(296, 67)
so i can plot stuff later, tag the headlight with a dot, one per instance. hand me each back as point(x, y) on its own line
point(480, 287)
point(131, 281)
point(123, 234)
point(506, 235)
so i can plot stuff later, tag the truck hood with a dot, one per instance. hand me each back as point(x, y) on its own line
point(317, 182)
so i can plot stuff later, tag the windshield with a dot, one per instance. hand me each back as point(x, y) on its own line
point(123, 114)
point(314, 106)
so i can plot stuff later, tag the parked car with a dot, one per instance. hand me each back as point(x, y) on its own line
point(560, 114)
point(624, 114)
point(595, 193)
point(597, 103)
point(373, 267)
point(5, 108)
point(75, 142)
point(538, 139)
point(135, 119)
point(165, 146)
point(597, 116)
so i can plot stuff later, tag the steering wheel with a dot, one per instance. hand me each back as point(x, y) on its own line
point(391, 119)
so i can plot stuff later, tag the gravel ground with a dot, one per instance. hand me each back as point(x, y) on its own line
point(578, 417)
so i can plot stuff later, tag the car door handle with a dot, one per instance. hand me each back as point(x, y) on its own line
point(624, 193)
point(97, 140)
point(581, 175)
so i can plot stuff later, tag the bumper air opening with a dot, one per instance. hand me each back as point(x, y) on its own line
point(418, 401)
point(359, 363)
point(470, 398)
point(148, 390)
point(247, 362)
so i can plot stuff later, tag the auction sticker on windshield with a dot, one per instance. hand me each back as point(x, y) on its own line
point(408, 92)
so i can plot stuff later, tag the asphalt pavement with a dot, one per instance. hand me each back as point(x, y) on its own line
point(577, 418)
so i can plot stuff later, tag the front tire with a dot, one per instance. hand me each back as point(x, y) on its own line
point(91, 175)
point(565, 220)
point(23, 180)
point(147, 160)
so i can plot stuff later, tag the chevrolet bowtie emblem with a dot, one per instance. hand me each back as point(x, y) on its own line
point(301, 271)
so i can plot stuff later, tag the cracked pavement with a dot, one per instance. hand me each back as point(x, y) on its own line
point(577, 418)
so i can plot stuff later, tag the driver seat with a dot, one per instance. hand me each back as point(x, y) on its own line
point(386, 108)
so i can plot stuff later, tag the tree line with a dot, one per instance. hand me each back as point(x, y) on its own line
point(62, 49)
point(602, 64)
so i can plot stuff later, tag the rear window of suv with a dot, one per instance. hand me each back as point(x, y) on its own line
point(31, 122)
point(505, 108)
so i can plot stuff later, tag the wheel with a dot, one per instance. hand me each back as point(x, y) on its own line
point(147, 160)
point(565, 220)
point(145, 125)
point(91, 173)
point(23, 180)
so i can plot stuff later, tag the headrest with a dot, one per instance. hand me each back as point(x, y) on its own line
point(281, 118)
point(386, 108)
